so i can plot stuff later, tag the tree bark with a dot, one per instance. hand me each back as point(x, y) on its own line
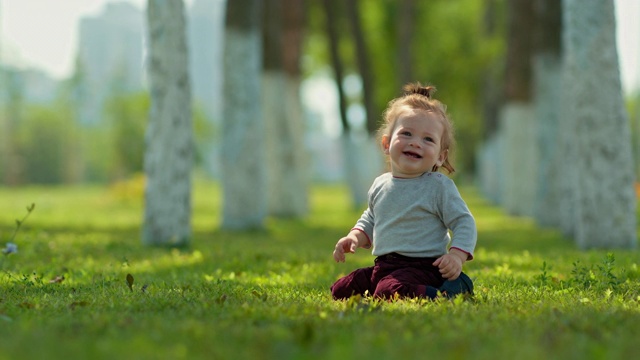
point(547, 70)
point(350, 150)
point(406, 28)
point(297, 184)
point(286, 183)
point(336, 62)
point(169, 140)
point(364, 66)
point(601, 166)
point(519, 50)
point(516, 117)
point(491, 94)
point(244, 175)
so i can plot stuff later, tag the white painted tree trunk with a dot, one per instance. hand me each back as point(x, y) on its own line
point(273, 107)
point(605, 202)
point(548, 105)
point(169, 139)
point(297, 183)
point(287, 195)
point(244, 175)
point(567, 152)
point(363, 161)
point(490, 170)
point(520, 158)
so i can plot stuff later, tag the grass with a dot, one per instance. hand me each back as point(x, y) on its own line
point(265, 295)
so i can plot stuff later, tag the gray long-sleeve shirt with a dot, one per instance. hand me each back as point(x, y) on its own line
point(412, 217)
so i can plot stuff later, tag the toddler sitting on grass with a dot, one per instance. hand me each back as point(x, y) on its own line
point(411, 210)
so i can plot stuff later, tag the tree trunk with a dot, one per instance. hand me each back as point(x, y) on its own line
point(518, 125)
point(297, 183)
point(287, 189)
point(244, 175)
point(364, 66)
point(519, 51)
point(169, 139)
point(406, 28)
point(492, 96)
point(490, 167)
point(516, 116)
point(350, 150)
point(547, 70)
point(336, 62)
point(602, 168)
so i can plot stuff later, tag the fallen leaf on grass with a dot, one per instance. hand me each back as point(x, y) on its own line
point(259, 295)
point(27, 305)
point(130, 281)
point(56, 280)
point(75, 304)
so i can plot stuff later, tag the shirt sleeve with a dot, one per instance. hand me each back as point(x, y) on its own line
point(367, 219)
point(365, 223)
point(458, 218)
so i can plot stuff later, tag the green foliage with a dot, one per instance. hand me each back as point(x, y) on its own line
point(46, 144)
point(97, 155)
point(633, 109)
point(452, 49)
point(206, 134)
point(83, 286)
point(127, 116)
point(454, 52)
point(601, 275)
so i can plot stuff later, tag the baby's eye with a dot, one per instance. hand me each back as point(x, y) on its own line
point(428, 139)
point(405, 133)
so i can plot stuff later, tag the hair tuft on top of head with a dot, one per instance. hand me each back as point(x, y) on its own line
point(417, 88)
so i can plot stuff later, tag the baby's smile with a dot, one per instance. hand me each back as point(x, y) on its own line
point(412, 154)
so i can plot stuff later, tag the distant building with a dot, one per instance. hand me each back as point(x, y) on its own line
point(205, 31)
point(30, 85)
point(110, 58)
point(111, 55)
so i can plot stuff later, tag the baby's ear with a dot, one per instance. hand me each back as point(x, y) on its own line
point(385, 144)
point(442, 157)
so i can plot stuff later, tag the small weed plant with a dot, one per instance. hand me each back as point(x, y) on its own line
point(597, 276)
point(11, 247)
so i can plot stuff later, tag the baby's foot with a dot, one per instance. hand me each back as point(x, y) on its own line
point(451, 288)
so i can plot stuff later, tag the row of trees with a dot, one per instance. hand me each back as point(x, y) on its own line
point(497, 64)
point(561, 149)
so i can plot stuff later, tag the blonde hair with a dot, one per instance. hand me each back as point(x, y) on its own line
point(419, 98)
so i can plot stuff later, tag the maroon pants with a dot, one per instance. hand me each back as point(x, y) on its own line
point(392, 274)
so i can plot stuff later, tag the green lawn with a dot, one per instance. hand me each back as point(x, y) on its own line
point(265, 295)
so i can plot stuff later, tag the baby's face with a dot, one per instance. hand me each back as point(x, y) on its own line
point(414, 145)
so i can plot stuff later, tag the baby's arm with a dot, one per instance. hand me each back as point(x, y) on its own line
point(450, 264)
point(355, 239)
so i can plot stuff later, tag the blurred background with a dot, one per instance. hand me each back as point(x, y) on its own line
point(75, 103)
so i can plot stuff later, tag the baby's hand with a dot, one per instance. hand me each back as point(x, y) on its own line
point(344, 245)
point(450, 266)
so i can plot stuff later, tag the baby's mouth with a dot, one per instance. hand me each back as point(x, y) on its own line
point(412, 154)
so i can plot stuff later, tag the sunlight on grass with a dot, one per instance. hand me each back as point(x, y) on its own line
point(265, 294)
